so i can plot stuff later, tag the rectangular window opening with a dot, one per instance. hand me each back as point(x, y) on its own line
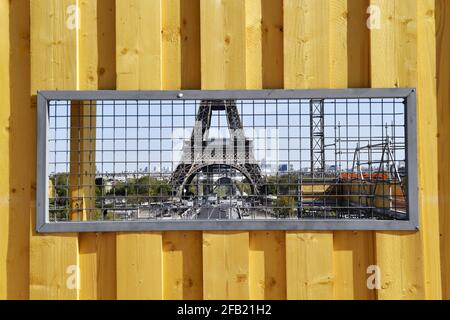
point(227, 160)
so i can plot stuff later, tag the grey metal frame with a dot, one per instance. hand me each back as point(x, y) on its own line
point(42, 204)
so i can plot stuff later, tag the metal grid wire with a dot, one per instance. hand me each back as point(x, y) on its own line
point(227, 159)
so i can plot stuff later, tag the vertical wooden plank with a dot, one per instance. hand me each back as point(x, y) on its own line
point(272, 44)
point(190, 48)
point(353, 251)
point(309, 265)
point(21, 141)
point(400, 59)
point(53, 66)
point(307, 64)
point(182, 257)
point(4, 145)
point(171, 44)
point(264, 67)
point(397, 253)
point(138, 31)
point(353, 254)
point(223, 54)
point(443, 83)
point(428, 142)
point(183, 265)
point(267, 265)
point(96, 58)
point(253, 44)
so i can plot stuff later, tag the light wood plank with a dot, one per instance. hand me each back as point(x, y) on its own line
point(138, 44)
point(400, 62)
point(353, 254)
point(223, 54)
point(309, 265)
point(225, 265)
point(96, 58)
point(307, 64)
point(428, 142)
point(443, 78)
point(171, 44)
point(353, 251)
point(223, 43)
point(272, 44)
point(253, 44)
point(139, 266)
point(22, 173)
point(4, 146)
point(183, 265)
point(264, 57)
point(139, 57)
point(267, 265)
point(182, 256)
point(53, 66)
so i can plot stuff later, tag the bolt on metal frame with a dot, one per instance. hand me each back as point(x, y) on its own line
point(78, 119)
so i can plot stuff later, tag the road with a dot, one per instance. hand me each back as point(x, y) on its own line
point(219, 212)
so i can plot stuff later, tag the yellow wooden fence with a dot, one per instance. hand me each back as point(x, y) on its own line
point(222, 44)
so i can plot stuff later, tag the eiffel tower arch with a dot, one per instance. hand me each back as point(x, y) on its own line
point(201, 154)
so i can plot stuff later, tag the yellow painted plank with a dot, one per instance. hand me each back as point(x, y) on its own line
point(139, 266)
point(106, 39)
point(139, 55)
point(272, 44)
point(96, 59)
point(428, 141)
point(306, 44)
point(264, 57)
point(21, 128)
point(223, 54)
point(138, 44)
point(253, 44)
point(401, 60)
point(171, 44)
point(443, 78)
point(338, 55)
point(4, 146)
point(267, 265)
point(97, 266)
point(358, 44)
point(225, 265)
point(183, 265)
point(53, 258)
point(223, 42)
point(353, 251)
point(182, 256)
point(190, 48)
point(307, 64)
point(353, 254)
point(309, 264)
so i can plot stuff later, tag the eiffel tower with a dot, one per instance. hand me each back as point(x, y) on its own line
point(201, 154)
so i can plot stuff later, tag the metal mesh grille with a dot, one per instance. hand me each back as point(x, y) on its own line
point(236, 159)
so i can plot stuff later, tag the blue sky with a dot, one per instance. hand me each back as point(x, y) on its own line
point(150, 133)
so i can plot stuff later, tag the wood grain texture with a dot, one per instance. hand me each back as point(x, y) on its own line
point(97, 251)
point(443, 85)
point(428, 142)
point(21, 142)
point(183, 271)
point(4, 145)
point(398, 61)
point(353, 251)
point(139, 256)
point(51, 37)
point(182, 251)
point(264, 61)
point(223, 54)
point(308, 57)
